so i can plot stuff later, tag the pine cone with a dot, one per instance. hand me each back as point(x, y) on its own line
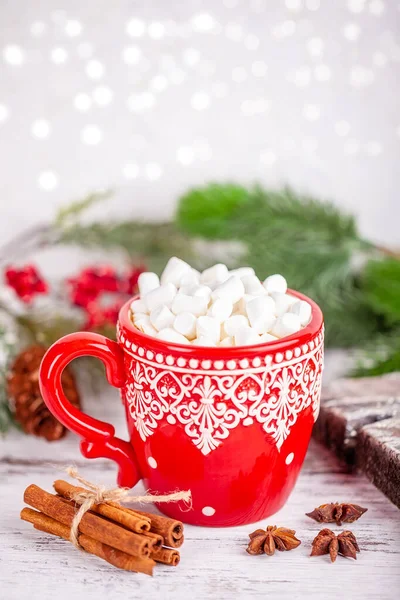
point(28, 406)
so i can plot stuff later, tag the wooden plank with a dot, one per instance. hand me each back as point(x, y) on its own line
point(214, 564)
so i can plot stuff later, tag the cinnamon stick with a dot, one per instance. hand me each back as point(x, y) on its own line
point(167, 556)
point(139, 521)
point(94, 526)
point(115, 557)
point(169, 529)
point(155, 540)
point(112, 511)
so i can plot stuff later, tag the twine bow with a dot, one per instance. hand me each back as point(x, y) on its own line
point(95, 494)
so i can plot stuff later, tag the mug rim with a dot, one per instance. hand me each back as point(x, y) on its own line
point(303, 336)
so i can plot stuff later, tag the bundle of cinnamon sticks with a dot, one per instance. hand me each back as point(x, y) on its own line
point(128, 539)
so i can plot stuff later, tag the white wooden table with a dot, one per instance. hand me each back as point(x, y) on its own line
point(214, 563)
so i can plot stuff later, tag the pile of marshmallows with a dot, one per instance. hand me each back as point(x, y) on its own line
point(217, 307)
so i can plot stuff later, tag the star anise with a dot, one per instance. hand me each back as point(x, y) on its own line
point(271, 539)
point(338, 513)
point(327, 542)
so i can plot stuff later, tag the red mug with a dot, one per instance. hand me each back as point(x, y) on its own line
point(230, 424)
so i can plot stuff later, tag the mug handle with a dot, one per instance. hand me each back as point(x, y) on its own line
point(98, 438)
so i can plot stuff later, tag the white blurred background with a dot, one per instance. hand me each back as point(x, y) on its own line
point(154, 97)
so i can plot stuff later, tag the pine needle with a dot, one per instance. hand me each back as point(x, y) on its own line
point(150, 243)
point(68, 214)
point(380, 357)
point(312, 243)
point(7, 352)
point(381, 284)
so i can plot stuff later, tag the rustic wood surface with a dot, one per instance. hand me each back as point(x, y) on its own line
point(214, 563)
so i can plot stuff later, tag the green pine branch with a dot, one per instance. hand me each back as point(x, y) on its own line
point(211, 211)
point(150, 243)
point(67, 215)
point(313, 243)
point(381, 283)
point(7, 351)
point(381, 356)
point(6, 417)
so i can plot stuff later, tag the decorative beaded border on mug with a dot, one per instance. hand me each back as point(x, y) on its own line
point(180, 363)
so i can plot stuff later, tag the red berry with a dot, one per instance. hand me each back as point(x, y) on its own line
point(26, 282)
point(101, 292)
point(90, 283)
point(98, 316)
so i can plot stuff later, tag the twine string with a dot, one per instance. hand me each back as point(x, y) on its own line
point(96, 494)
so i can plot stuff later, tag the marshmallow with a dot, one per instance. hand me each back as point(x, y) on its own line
point(246, 336)
point(275, 283)
point(261, 313)
point(147, 282)
point(232, 289)
point(185, 324)
point(204, 341)
point(193, 304)
point(234, 323)
point(252, 285)
point(174, 271)
point(242, 272)
point(267, 337)
point(288, 324)
point(240, 307)
point(303, 310)
point(190, 278)
point(170, 335)
point(201, 291)
point(283, 302)
point(227, 341)
point(264, 324)
point(138, 306)
point(260, 307)
point(137, 316)
point(208, 327)
point(231, 306)
point(187, 289)
point(160, 296)
point(221, 309)
point(144, 325)
point(161, 318)
point(214, 275)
